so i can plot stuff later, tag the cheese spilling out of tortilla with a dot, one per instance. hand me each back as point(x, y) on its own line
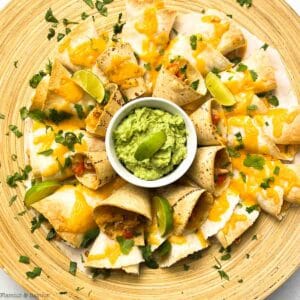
point(183, 246)
point(220, 213)
point(106, 253)
point(211, 168)
point(215, 28)
point(239, 222)
point(120, 66)
point(245, 132)
point(82, 46)
point(210, 124)
point(98, 119)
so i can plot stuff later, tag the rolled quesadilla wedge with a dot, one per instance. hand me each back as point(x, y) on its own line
point(92, 169)
point(211, 169)
point(220, 213)
point(245, 133)
point(120, 66)
point(210, 123)
point(82, 46)
point(98, 119)
point(179, 82)
point(48, 152)
point(281, 125)
point(70, 211)
point(241, 220)
point(257, 75)
point(125, 213)
point(199, 53)
point(191, 207)
point(215, 27)
point(107, 253)
point(183, 246)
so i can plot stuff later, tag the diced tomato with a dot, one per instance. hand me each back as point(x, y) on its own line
point(215, 118)
point(127, 234)
point(220, 179)
point(78, 168)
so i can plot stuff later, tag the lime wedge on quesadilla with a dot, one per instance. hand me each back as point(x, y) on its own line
point(90, 83)
point(219, 90)
point(40, 191)
point(150, 145)
point(164, 215)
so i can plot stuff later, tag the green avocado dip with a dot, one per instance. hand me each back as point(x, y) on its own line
point(144, 126)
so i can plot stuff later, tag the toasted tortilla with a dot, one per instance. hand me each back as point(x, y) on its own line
point(204, 61)
point(183, 246)
point(120, 66)
point(254, 138)
point(106, 254)
point(98, 119)
point(207, 133)
point(293, 195)
point(239, 222)
point(40, 95)
point(82, 35)
point(193, 23)
point(100, 173)
point(70, 213)
point(207, 161)
point(220, 213)
point(170, 87)
point(191, 206)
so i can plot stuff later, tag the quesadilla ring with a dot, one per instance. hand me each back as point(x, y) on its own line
point(245, 133)
point(48, 152)
point(125, 212)
point(81, 47)
point(257, 75)
point(180, 83)
point(98, 119)
point(215, 28)
point(239, 222)
point(200, 54)
point(281, 125)
point(210, 123)
point(211, 168)
point(220, 213)
point(183, 246)
point(191, 207)
point(92, 169)
point(106, 253)
point(120, 66)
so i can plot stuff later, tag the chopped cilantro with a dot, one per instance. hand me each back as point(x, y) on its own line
point(49, 17)
point(24, 259)
point(265, 46)
point(60, 36)
point(12, 200)
point(193, 42)
point(255, 161)
point(148, 257)
point(195, 85)
point(266, 182)
point(68, 139)
point(273, 100)
point(36, 222)
point(16, 64)
point(243, 175)
point(215, 70)
point(226, 256)
point(247, 3)
point(223, 274)
point(58, 116)
point(15, 130)
point(2, 116)
point(158, 67)
point(118, 27)
point(23, 112)
point(89, 3)
point(164, 249)
point(84, 16)
point(276, 170)
point(183, 69)
point(12, 180)
point(67, 22)
point(36, 79)
point(241, 67)
point(252, 107)
point(51, 34)
point(46, 152)
point(51, 234)
point(88, 237)
point(102, 9)
point(252, 208)
point(125, 244)
point(73, 268)
point(254, 75)
point(79, 111)
point(147, 66)
point(233, 152)
point(34, 273)
point(254, 237)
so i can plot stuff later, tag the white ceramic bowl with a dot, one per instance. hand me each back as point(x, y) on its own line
point(162, 104)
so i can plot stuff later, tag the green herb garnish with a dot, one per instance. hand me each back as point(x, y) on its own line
point(88, 237)
point(84, 16)
point(147, 66)
point(102, 9)
point(247, 3)
point(12, 200)
point(226, 256)
point(60, 36)
point(73, 268)
point(51, 34)
point(36, 222)
point(241, 67)
point(49, 17)
point(266, 182)
point(58, 116)
point(16, 64)
point(195, 84)
point(148, 257)
point(252, 208)
point(79, 111)
point(273, 100)
point(193, 42)
point(68, 139)
point(255, 161)
point(51, 234)
point(233, 152)
point(24, 259)
point(254, 75)
point(15, 130)
point(265, 46)
point(252, 107)
point(34, 273)
point(276, 171)
point(12, 180)
point(243, 175)
point(89, 3)
point(125, 244)
point(36, 79)
point(164, 249)
point(46, 152)
point(118, 27)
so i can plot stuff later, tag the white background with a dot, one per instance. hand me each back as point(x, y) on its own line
point(290, 290)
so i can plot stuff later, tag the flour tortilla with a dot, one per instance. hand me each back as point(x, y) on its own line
point(170, 87)
point(102, 172)
point(132, 87)
point(129, 198)
point(207, 133)
point(293, 195)
point(40, 96)
point(202, 171)
point(233, 229)
point(187, 201)
point(98, 119)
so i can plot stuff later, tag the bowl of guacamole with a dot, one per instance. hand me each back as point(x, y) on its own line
point(151, 142)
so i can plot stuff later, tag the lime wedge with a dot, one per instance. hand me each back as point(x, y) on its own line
point(150, 145)
point(164, 215)
point(91, 83)
point(39, 191)
point(219, 90)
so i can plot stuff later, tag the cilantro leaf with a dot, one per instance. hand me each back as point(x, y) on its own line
point(255, 161)
point(49, 17)
point(125, 244)
point(35, 273)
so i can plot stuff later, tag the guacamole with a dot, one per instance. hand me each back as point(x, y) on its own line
point(136, 128)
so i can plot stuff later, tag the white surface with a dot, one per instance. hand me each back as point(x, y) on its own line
point(290, 290)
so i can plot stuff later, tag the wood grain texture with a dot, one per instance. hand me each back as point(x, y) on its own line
point(273, 257)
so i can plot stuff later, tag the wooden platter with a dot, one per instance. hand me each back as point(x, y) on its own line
point(273, 256)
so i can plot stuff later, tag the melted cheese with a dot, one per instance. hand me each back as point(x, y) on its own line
point(232, 223)
point(112, 253)
point(69, 90)
point(179, 240)
point(220, 206)
point(201, 239)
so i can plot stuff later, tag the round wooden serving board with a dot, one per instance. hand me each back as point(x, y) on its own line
point(274, 256)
